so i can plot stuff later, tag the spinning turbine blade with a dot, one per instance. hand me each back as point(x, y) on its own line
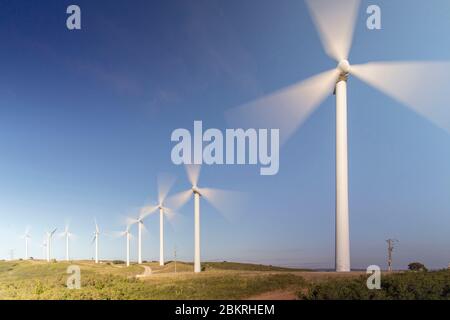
point(169, 213)
point(286, 109)
point(130, 220)
point(423, 86)
point(335, 21)
point(172, 216)
point(118, 234)
point(228, 203)
point(144, 212)
point(144, 228)
point(193, 173)
point(165, 183)
point(180, 199)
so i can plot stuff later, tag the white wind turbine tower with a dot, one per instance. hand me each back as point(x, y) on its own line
point(422, 86)
point(95, 239)
point(222, 200)
point(44, 248)
point(49, 236)
point(67, 235)
point(127, 235)
point(26, 236)
point(165, 182)
point(143, 213)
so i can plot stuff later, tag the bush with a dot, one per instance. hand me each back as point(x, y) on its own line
point(417, 266)
point(118, 262)
point(38, 287)
point(402, 286)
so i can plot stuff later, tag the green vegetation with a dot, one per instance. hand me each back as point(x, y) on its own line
point(417, 266)
point(37, 279)
point(41, 280)
point(401, 286)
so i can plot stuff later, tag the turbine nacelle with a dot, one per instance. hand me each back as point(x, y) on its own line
point(196, 190)
point(344, 68)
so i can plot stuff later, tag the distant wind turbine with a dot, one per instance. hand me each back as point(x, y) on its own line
point(165, 182)
point(422, 86)
point(66, 234)
point(127, 235)
point(222, 200)
point(95, 239)
point(143, 213)
point(26, 236)
point(48, 243)
point(44, 249)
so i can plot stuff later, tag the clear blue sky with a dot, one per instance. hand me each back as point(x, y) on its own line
point(86, 118)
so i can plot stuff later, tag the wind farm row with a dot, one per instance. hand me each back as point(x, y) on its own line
point(423, 86)
point(166, 207)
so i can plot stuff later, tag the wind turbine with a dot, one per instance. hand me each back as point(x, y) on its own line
point(143, 213)
point(67, 235)
point(423, 86)
point(219, 199)
point(48, 243)
point(26, 236)
point(44, 248)
point(95, 239)
point(165, 182)
point(127, 234)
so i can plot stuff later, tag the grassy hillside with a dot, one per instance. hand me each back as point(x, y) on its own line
point(42, 280)
point(220, 280)
point(244, 267)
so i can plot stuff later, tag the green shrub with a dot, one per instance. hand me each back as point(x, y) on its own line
point(38, 287)
point(417, 266)
point(403, 286)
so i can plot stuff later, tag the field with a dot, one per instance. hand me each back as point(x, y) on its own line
point(220, 280)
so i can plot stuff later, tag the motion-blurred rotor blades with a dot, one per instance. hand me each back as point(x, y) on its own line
point(165, 183)
point(335, 21)
point(193, 173)
point(423, 86)
point(178, 200)
point(287, 108)
point(226, 202)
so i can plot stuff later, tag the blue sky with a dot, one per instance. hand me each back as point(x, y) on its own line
point(86, 118)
